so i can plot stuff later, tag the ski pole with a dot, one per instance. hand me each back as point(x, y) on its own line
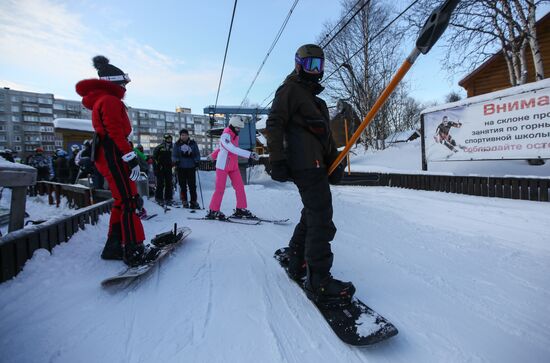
point(429, 34)
point(200, 187)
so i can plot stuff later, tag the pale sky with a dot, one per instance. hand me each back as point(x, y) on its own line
point(172, 50)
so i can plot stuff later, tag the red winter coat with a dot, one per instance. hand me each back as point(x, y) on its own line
point(109, 114)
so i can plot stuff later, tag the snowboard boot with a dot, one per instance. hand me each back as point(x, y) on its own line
point(213, 214)
point(324, 289)
point(169, 202)
point(159, 201)
point(113, 247)
point(242, 213)
point(296, 265)
point(137, 254)
point(185, 204)
point(194, 205)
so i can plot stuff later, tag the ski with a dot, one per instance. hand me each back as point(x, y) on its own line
point(354, 323)
point(274, 221)
point(250, 222)
point(149, 216)
point(131, 273)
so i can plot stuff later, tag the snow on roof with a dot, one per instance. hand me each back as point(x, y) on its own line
point(261, 139)
point(545, 83)
point(73, 124)
point(400, 136)
point(261, 123)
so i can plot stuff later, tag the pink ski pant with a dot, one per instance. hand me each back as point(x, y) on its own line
point(236, 182)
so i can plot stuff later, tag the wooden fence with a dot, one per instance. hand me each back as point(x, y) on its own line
point(17, 247)
point(534, 189)
point(78, 196)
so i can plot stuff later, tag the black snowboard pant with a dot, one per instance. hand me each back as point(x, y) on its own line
point(187, 178)
point(164, 186)
point(315, 230)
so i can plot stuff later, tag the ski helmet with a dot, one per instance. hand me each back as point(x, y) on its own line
point(236, 121)
point(167, 137)
point(311, 59)
point(75, 147)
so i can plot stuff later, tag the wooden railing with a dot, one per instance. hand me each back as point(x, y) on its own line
point(78, 196)
point(535, 189)
point(17, 247)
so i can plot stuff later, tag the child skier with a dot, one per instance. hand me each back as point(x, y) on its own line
point(227, 164)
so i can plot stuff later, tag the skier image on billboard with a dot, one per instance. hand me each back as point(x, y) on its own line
point(442, 134)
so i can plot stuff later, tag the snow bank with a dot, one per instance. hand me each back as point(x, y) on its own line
point(407, 158)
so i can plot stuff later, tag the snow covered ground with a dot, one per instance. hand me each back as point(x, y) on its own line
point(464, 279)
point(407, 158)
point(36, 207)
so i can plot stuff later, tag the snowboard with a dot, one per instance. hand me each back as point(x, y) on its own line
point(131, 273)
point(355, 324)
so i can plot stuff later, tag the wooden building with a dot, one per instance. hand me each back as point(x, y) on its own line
point(72, 131)
point(493, 74)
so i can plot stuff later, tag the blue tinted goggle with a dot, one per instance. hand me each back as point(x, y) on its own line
point(311, 64)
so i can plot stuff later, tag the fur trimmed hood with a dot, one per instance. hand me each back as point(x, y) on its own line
point(92, 89)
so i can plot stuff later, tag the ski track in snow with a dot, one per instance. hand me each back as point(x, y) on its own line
point(463, 279)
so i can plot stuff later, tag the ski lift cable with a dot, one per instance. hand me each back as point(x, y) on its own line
point(370, 40)
point(338, 23)
point(332, 38)
point(357, 52)
point(346, 24)
point(273, 44)
point(225, 55)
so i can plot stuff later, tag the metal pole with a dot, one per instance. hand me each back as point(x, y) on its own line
point(200, 187)
point(347, 155)
point(432, 30)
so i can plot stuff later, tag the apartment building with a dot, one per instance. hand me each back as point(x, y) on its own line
point(26, 122)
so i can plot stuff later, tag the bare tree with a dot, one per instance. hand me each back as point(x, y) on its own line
point(360, 79)
point(453, 97)
point(479, 28)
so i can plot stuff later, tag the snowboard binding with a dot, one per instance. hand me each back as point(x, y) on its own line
point(167, 238)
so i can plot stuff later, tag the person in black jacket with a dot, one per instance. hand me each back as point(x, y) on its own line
point(73, 168)
point(186, 156)
point(301, 148)
point(61, 166)
point(162, 167)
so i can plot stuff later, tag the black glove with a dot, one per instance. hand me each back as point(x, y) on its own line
point(338, 173)
point(280, 171)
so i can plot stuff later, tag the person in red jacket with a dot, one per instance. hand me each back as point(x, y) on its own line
point(115, 160)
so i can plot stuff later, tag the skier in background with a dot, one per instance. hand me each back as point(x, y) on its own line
point(116, 161)
point(41, 163)
point(227, 165)
point(60, 166)
point(162, 167)
point(73, 167)
point(301, 149)
point(443, 136)
point(186, 156)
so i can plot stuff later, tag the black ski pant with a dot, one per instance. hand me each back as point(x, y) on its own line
point(315, 230)
point(164, 185)
point(187, 179)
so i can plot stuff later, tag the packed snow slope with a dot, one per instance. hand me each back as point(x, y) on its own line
point(406, 157)
point(464, 279)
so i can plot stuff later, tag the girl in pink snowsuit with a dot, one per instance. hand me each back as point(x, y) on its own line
point(227, 164)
